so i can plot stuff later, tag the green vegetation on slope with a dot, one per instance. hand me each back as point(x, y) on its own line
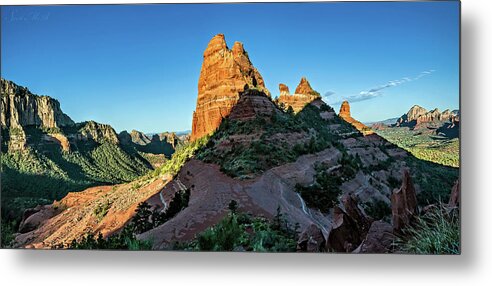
point(182, 154)
point(242, 232)
point(43, 172)
point(144, 220)
point(424, 146)
point(436, 232)
point(434, 180)
point(323, 194)
point(276, 140)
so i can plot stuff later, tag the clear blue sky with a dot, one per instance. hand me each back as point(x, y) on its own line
point(137, 66)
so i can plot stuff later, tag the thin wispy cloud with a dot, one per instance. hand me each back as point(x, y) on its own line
point(373, 92)
point(329, 93)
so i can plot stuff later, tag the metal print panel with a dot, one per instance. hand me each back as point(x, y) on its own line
point(271, 127)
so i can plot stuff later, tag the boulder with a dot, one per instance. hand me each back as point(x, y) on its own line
point(311, 240)
point(32, 218)
point(379, 239)
point(349, 228)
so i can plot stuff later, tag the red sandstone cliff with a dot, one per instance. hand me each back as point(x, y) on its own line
point(224, 75)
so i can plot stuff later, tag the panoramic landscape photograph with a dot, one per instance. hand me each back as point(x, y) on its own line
point(247, 127)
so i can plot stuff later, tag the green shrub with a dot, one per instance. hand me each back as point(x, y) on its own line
point(102, 209)
point(323, 194)
point(378, 209)
point(269, 148)
point(125, 240)
point(437, 232)
point(181, 155)
point(239, 231)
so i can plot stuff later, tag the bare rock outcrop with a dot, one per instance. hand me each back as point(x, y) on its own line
point(99, 132)
point(139, 138)
point(58, 139)
point(284, 89)
point(345, 115)
point(349, 228)
point(19, 108)
point(252, 104)
point(303, 95)
point(418, 117)
point(305, 88)
point(404, 203)
point(224, 75)
point(379, 239)
point(454, 198)
point(311, 240)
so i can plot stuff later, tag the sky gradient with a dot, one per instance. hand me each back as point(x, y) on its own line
point(137, 66)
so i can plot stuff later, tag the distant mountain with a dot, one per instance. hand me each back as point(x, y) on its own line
point(45, 154)
point(418, 117)
point(389, 121)
point(429, 135)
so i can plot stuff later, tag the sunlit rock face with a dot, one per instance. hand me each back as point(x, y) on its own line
point(224, 75)
point(304, 94)
point(345, 115)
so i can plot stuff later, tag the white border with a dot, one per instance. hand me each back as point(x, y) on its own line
point(473, 267)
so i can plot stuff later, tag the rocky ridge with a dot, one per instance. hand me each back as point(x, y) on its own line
point(20, 108)
point(418, 117)
point(304, 94)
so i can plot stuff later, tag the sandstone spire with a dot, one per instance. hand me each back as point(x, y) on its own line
point(345, 115)
point(305, 88)
point(224, 75)
point(303, 95)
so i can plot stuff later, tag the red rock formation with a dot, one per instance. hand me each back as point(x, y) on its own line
point(224, 75)
point(349, 227)
point(58, 139)
point(284, 89)
point(379, 126)
point(305, 88)
point(304, 95)
point(418, 117)
point(311, 240)
point(403, 203)
point(251, 104)
point(32, 218)
point(345, 115)
point(454, 198)
point(378, 240)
